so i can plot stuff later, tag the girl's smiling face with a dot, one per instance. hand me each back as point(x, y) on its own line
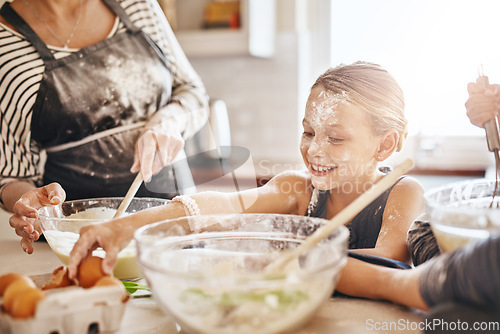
point(338, 145)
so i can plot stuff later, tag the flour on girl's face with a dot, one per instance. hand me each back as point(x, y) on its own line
point(338, 137)
point(322, 113)
point(324, 106)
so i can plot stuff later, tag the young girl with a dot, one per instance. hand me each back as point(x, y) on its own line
point(353, 120)
point(458, 287)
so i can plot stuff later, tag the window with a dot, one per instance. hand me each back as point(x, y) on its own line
point(432, 47)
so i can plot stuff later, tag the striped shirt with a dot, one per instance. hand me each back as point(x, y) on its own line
point(21, 71)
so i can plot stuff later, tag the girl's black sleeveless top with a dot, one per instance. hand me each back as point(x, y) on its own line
point(364, 228)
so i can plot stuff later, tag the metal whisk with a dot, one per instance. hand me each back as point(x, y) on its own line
point(493, 140)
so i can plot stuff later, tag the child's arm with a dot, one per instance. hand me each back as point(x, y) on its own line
point(468, 275)
point(283, 194)
point(361, 279)
point(404, 205)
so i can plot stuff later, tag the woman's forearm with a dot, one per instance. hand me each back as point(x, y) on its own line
point(12, 192)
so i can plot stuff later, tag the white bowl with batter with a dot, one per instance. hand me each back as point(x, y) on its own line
point(61, 225)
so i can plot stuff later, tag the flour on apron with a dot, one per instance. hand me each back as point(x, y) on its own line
point(92, 106)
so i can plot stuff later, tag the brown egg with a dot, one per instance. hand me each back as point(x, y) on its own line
point(14, 289)
point(89, 271)
point(111, 281)
point(59, 279)
point(25, 303)
point(6, 279)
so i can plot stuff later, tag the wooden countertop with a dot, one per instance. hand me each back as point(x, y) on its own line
point(142, 315)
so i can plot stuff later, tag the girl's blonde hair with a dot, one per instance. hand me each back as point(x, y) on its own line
point(372, 88)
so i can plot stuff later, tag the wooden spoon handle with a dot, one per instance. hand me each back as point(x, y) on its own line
point(343, 216)
point(129, 196)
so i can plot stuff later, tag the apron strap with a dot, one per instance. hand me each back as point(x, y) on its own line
point(21, 26)
point(120, 12)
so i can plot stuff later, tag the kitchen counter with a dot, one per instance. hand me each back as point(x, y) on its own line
point(142, 315)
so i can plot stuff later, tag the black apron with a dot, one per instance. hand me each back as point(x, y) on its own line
point(91, 107)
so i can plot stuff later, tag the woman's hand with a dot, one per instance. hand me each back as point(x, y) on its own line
point(156, 148)
point(111, 236)
point(483, 103)
point(25, 218)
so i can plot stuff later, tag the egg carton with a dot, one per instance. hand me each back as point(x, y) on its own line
point(71, 310)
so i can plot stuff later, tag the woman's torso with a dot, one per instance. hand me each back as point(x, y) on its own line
point(21, 78)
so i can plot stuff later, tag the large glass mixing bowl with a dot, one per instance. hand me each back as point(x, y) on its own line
point(463, 212)
point(217, 281)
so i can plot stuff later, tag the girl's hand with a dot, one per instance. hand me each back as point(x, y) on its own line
point(25, 218)
point(156, 148)
point(483, 103)
point(111, 236)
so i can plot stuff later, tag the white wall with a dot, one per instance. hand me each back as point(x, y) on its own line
point(261, 96)
point(264, 96)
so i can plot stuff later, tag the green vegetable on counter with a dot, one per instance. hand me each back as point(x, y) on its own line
point(132, 287)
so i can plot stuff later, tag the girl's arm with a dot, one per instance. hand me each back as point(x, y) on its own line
point(381, 283)
point(284, 194)
point(468, 275)
point(404, 205)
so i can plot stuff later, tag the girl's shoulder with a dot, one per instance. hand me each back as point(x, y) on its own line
point(293, 183)
point(407, 191)
point(297, 176)
point(405, 183)
point(294, 187)
point(408, 184)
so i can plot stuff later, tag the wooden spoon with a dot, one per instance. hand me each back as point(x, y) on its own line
point(129, 196)
point(342, 217)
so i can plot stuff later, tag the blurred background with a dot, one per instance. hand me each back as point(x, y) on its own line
point(262, 58)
